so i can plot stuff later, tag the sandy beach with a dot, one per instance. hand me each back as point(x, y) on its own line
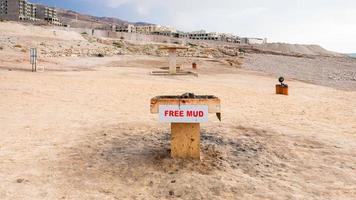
point(83, 130)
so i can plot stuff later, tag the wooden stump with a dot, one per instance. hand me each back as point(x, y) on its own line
point(282, 89)
point(172, 61)
point(185, 140)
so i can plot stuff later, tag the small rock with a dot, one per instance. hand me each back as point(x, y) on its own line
point(20, 180)
point(171, 193)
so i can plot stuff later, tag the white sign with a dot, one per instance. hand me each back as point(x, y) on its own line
point(33, 55)
point(183, 113)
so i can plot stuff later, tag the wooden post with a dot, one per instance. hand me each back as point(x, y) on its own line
point(185, 140)
point(172, 61)
point(185, 128)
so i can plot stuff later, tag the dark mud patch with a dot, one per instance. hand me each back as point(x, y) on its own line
point(130, 151)
point(235, 161)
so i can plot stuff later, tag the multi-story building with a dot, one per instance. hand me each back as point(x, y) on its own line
point(146, 29)
point(127, 28)
point(18, 10)
point(3, 8)
point(165, 31)
point(203, 35)
point(48, 14)
point(27, 10)
point(229, 38)
point(181, 34)
point(155, 29)
point(254, 40)
point(32, 11)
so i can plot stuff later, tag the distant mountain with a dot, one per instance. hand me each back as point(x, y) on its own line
point(142, 23)
point(78, 20)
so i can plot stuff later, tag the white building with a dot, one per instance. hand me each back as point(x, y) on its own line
point(155, 29)
point(127, 28)
point(203, 35)
point(225, 37)
point(48, 14)
point(254, 40)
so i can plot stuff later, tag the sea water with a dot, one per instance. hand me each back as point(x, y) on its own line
point(352, 55)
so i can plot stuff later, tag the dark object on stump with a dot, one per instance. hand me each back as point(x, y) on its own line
point(194, 65)
point(188, 96)
point(282, 88)
point(281, 80)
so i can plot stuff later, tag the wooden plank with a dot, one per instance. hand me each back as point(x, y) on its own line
point(185, 140)
point(172, 61)
point(213, 103)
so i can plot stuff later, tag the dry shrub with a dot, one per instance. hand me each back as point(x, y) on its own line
point(117, 44)
point(235, 62)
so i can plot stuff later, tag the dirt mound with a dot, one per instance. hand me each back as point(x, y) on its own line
point(17, 29)
point(139, 158)
point(295, 50)
point(52, 42)
point(333, 72)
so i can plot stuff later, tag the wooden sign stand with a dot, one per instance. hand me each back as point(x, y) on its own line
point(185, 136)
point(185, 140)
point(173, 69)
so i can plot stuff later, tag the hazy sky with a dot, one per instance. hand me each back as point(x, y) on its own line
point(330, 23)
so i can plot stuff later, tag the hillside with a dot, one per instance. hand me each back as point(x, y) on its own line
point(309, 63)
point(78, 20)
point(294, 50)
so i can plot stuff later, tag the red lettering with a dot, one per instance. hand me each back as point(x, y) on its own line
point(181, 113)
point(191, 113)
point(174, 113)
